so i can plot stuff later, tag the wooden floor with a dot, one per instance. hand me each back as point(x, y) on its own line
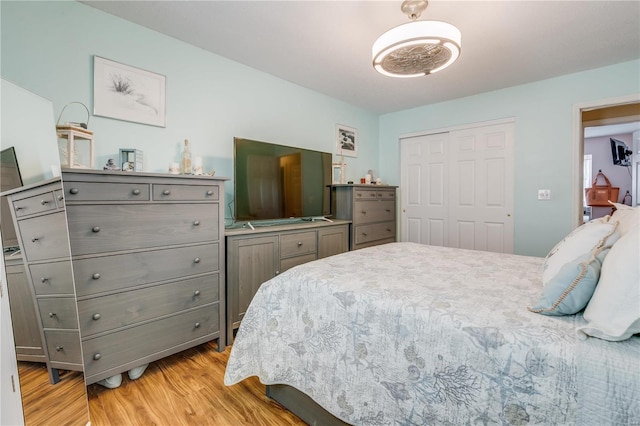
point(183, 389)
point(64, 403)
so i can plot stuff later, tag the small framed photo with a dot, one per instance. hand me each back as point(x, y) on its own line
point(131, 160)
point(346, 140)
point(127, 93)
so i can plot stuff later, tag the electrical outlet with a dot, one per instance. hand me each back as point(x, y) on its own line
point(544, 194)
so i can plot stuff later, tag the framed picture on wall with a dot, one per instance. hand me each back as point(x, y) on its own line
point(127, 93)
point(346, 140)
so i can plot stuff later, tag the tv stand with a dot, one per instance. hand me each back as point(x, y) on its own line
point(257, 255)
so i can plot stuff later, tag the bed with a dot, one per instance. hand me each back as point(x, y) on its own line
point(411, 334)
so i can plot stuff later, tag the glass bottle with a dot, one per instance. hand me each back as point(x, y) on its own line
point(186, 159)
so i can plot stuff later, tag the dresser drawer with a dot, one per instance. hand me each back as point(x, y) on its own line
point(114, 272)
point(100, 191)
point(168, 192)
point(45, 237)
point(295, 261)
point(297, 244)
point(58, 312)
point(36, 204)
point(386, 194)
point(63, 346)
point(52, 278)
point(105, 228)
point(374, 211)
point(122, 309)
point(109, 351)
point(365, 194)
point(373, 232)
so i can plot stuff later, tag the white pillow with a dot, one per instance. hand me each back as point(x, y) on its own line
point(614, 310)
point(576, 244)
point(627, 216)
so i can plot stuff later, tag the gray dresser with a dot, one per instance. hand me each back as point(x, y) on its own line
point(38, 211)
point(372, 211)
point(148, 263)
point(26, 328)
point(256, 256)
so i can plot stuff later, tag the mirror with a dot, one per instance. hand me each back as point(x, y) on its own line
point(29, 128)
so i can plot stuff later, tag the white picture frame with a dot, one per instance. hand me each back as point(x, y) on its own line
point(346, 140)
point(128, 93)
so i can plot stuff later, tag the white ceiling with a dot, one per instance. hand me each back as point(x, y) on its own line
point(326, 45)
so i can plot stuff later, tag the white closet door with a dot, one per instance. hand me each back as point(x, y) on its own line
point(457, 188)
point(481, 188)
point(424, 189)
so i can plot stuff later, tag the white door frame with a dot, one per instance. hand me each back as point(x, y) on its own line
point(577, 148)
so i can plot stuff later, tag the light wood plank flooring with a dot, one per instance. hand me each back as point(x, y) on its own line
point(184, 389)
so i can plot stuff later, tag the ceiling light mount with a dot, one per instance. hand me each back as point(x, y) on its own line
point(417, 48)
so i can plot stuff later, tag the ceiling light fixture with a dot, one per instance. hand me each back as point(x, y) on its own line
point(418, 48)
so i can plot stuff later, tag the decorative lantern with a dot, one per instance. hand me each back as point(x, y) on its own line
point(75, 146)
point(75, 142)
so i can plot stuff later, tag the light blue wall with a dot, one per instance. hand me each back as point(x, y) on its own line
point(48, 49)
point(543, 153)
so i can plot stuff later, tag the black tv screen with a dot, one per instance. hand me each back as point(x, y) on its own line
point(620, 152)
point(10, 178)
point(280, 182)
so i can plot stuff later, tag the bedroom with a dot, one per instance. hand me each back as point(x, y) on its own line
point(197, 98)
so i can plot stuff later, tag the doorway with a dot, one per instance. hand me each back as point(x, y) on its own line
point(599, 122)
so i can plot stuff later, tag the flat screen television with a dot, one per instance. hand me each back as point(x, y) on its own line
point(10, 178)
point(280, 182)
point(620, 153)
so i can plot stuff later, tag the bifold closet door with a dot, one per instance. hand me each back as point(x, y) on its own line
point(457, 188)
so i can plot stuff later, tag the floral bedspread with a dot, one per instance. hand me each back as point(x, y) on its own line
point(410, 334)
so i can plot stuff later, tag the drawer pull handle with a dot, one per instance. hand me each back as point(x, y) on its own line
point(18, 208)
point(96, 276)
point(52, 314)
point(44, 280)
point(74, 190)
point(196, 223)
point(388, 230)
point(44, 202)
point(299, 243)
point(196, 260)
point(209, 192)
point(196, 325)
point(196, 293)
point(97, 356)
point(364, 234)
point(363, 212)
point(388, 210)
point(136, 192)
point(166, 192)
point(373, 195)
point(59, 348)
point(95, 229)
point(96, 317)
point(34, 239)
point(60, 197)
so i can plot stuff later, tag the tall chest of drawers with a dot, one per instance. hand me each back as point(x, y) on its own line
point(371, 210)
point(148, 263)
point(38, 211)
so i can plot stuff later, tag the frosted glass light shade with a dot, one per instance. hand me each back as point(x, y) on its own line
point(417, 48)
